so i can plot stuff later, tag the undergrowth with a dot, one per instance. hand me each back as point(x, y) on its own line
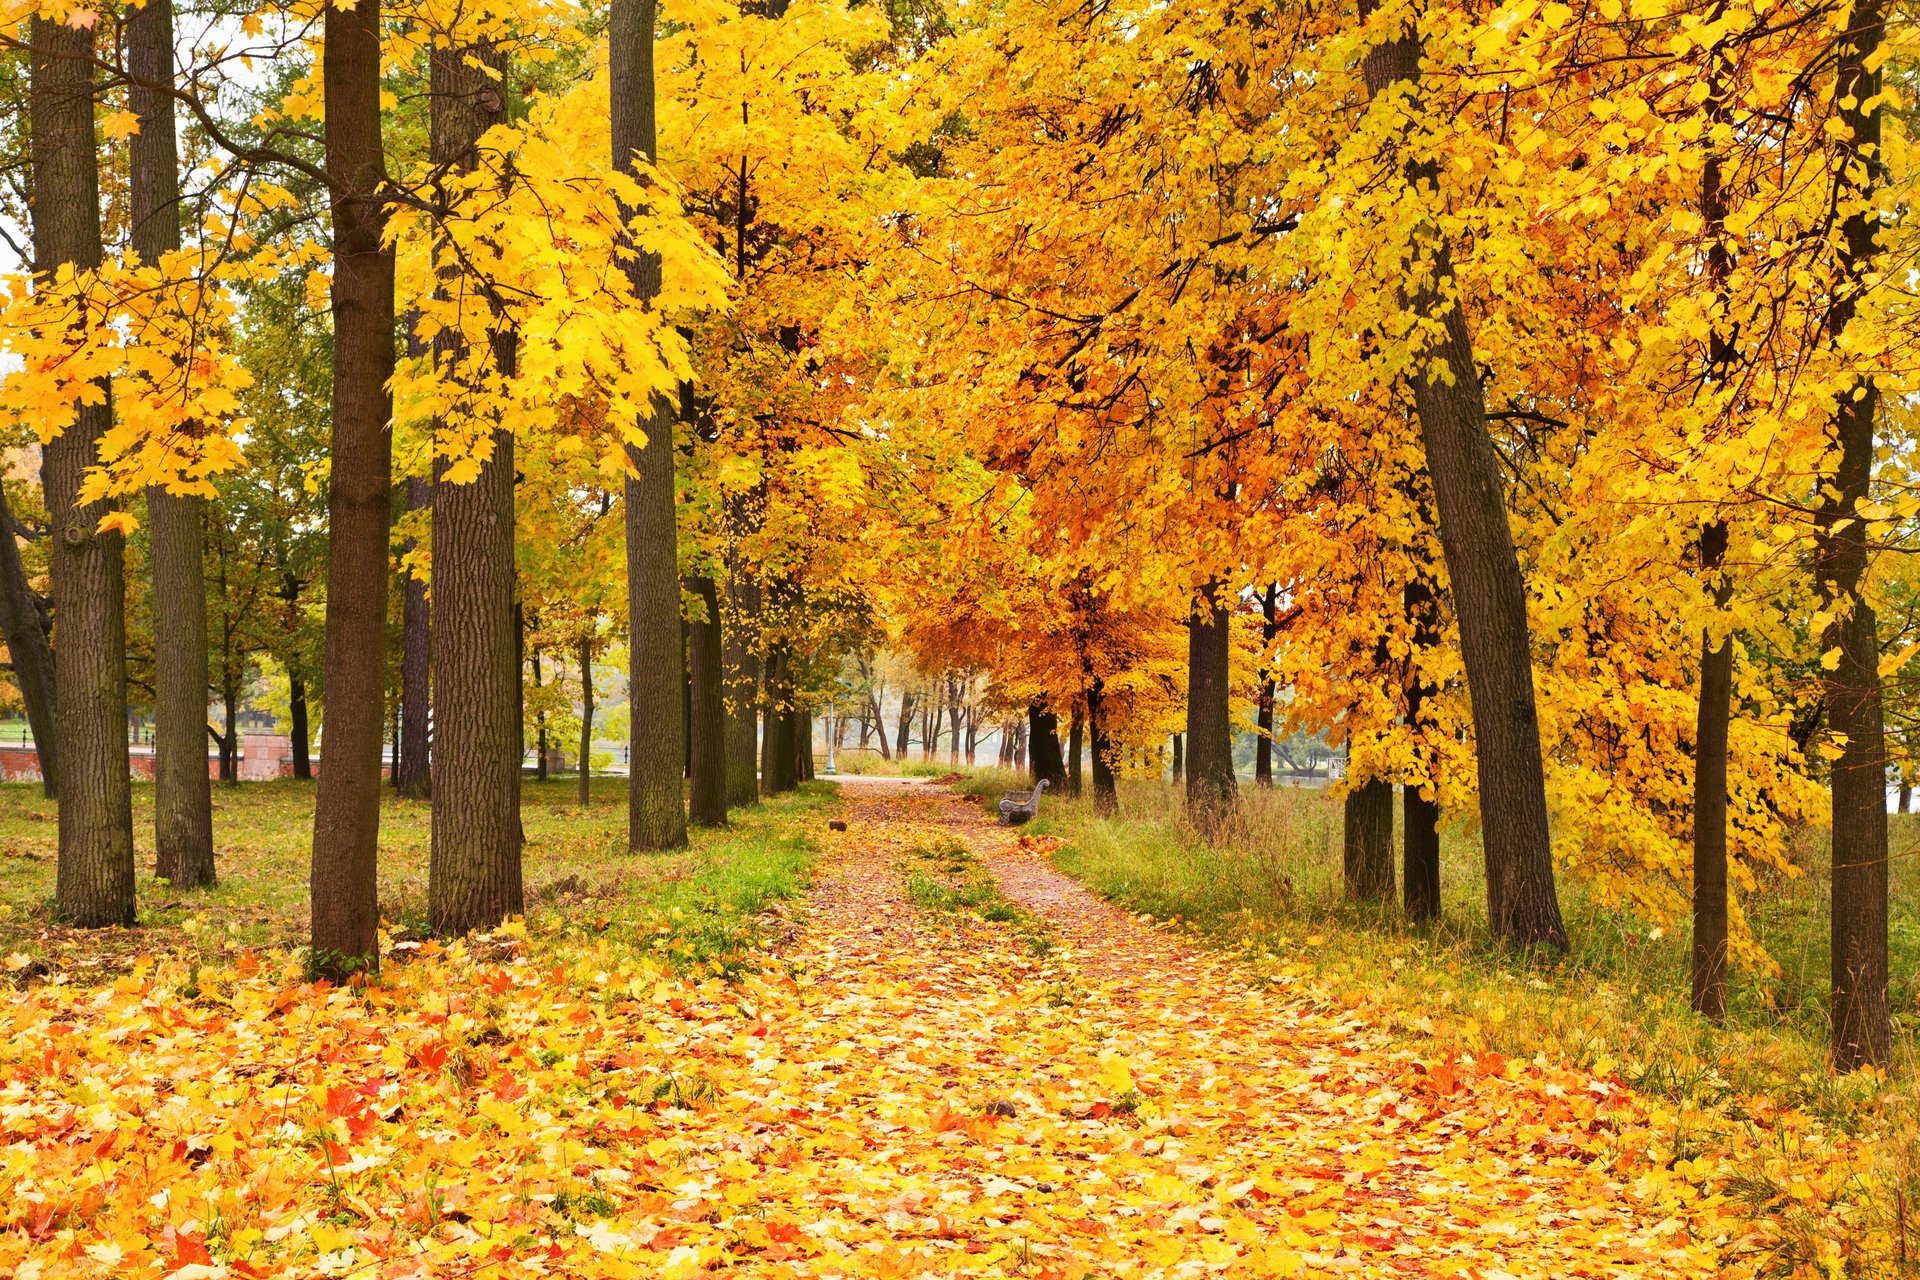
point(948, 881)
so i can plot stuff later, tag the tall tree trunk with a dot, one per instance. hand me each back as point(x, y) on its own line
point(32, 656)
point(1021, 732)
point(412, 772)
point(708, 726)
point(230, 712)
point(1710, 793)
point(1211, 789)
point(953, 728)
point(656, 812)
point(182, 793)
point(779, 759)
point(1179, 759)
point(1862, 1032)
point(905, 724)
point(540, 728)
point(1043, 731)
point(94, 881)
point(346, 820)
point(1906, 796)
point(474, 878)
point(1489, 595)
point(1367, 862)
point(1263, 714)
point(1076, 730)
point(585, 796)
point(803, 745)
point(742, 668)
point(1106, 796)
point(297, 711)
point(1420, 816)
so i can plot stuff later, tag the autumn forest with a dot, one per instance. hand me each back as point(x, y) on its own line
point(1040, 638)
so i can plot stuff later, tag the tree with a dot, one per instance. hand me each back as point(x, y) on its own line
point(1489, 594)
point(707, 726)
point(656, 813)
point(1211, 789)
point(95, 880)
point(346, 823)
point(474, 880)
point(183, 797)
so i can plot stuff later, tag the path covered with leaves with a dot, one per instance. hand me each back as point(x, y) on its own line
point(956, 1062)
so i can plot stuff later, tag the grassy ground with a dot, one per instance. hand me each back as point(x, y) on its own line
point(1617, 1003)
point(698, 907)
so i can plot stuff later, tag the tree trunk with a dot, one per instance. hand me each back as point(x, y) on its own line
point(1076, 731)
point(1211, 789)
point(94, 881)
point(905, 724)
point(474, 878)
point(1044, 746)
point(32, 656)
point(1420, 816)
point(1906, 796)
point(412, 772)
point(1021, 731)
point(779, 759)
point(230, 713)
point(182, 792)
point(1106, 797)
point(1489, 594)
point(297, 711)
point(656, 812)
point(540, 728)
point(1710, 794)
point(1862, 1032)
point(1263, 738)
point(585, 796)
point(346, 820)
point(1368, 855)
point(738, 633)
point(708, 725)
point(803, 746)
point(1179, 762)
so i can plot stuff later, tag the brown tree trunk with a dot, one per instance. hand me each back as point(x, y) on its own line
point(905, 725)
point(585, 796)
point(779, 750)
point(474, 876)
point(412, 772)
point(182, 793)
point(540, 754)
point(1420, 817)
point(1076, 731)
point(1862, 1031)
point(1367, 862)
point(94, 881)
point(1020, 734)
point(1178, 759)
point(742, 674)
point(656, 812)
point(32, 657)
point(1710, 794)
point(1106, 797)
point(1489, 595)
point(1043, 749)
point(803, 745)
point(1263, 715)
point(346, 820)
point(297, 712)
point(708, 725)
point(1211, 789)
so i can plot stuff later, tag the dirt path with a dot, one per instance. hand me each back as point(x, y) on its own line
point(1122, 1104)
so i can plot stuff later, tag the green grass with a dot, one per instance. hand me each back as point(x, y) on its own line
point(947, 881)
point(1616, 1003)
point(695, 906)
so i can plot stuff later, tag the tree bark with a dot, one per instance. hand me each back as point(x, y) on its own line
point(905, 724)
point(738, 632)
point(346, 821)
point(1862, 1031)
point(32, 656)
point(412, 773)
point(1367, 861)
point(1106, 797)
point(708, 725)
point(1420, 816)
point(1710, 794)
point(474, 876)
point(1076, 738)
point(94, 880)
point(297, 711)
point(656, 813)
point(1178, 762)
point(585, 796)
point(803, 745)
point(183, 794)
point(1043, 730)
point(1263, 713)
point(779, 758)
point(1489, 593)
point(1211, 789)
